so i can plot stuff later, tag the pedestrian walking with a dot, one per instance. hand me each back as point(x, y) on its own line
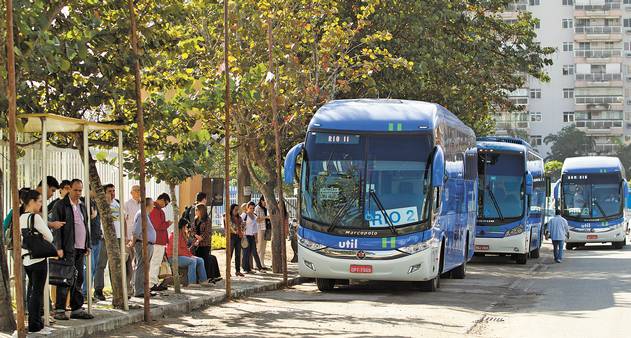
point(559, 231)
point(264, 229)
point(36, 269)
point(132, 206)
point(161, 225)
point(72, 242)
point(202, 241)
point(251, 230)
point(139, 274)
point(195, 265)
point(236, 235)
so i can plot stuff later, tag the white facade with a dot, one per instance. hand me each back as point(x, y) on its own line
point(590, 80)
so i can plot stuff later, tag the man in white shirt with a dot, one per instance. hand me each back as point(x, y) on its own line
point(132, 206)
point(559, 231)
point(99, 283)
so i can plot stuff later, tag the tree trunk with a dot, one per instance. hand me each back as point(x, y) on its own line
point(243, 178)
point(7, 320)
point(109, 233)
point(176, 220)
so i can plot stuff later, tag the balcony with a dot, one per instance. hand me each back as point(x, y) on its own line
point(513, 9)
point(597, 33)
point(600, 127)
point(599, 103)
point(598, 55)
point(598, 10)
point(606, 149)
point(506, 125)
point(599, 80)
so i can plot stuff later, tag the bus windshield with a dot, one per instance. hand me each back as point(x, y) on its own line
point(501, 181)
point(588, 196)
point(365, 181)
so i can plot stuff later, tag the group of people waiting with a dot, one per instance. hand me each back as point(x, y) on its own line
point(74, 238)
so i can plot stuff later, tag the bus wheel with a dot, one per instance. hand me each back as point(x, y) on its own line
point(619, 245)
point(535, 253)
point(430, 285)
point(325, 284)
point(569, 246)
point(461, 271)
point(522, 258)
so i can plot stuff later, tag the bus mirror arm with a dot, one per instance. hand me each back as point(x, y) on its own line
point(290, 163)
point(529, 183)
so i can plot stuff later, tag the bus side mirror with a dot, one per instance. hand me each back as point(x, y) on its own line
point(529, 183)
point(290, 163)
point(438, 167)
point(548, 186)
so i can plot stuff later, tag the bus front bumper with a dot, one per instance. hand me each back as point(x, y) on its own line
point(615, 235)
point(517, 244)
point(420, 266)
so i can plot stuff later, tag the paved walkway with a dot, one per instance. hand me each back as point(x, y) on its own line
point(169, 303)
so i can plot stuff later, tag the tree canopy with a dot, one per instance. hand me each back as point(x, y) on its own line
point(569, 142)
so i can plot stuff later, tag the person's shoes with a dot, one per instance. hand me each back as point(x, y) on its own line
point(264, 268)
point(99, 295)
point(557, 260)
point(239, 274)
point(81, 315)
point(155, 288)
point(61, 316)
point(218, 279)
point(162, 287)
point(250, 272)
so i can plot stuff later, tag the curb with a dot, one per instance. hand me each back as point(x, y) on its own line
point(101, 326)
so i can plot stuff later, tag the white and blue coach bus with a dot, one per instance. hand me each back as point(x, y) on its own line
point(387, 192)
point(591, 196)
point(511, 198)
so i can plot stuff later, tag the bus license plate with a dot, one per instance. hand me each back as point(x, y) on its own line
point(361, 269)
point(592, 236)
point(482, 247)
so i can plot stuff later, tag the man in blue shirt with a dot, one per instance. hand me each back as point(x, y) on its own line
point(559, 231)
point(139, 275)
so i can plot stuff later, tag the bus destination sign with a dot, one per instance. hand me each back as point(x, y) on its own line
point(336, 139)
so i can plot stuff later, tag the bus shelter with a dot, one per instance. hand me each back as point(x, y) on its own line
point(49, 123)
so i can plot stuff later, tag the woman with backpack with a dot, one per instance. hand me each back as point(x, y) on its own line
point(36, 269)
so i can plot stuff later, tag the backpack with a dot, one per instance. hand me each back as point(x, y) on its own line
point(8, 233)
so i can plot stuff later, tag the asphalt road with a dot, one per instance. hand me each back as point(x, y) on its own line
point(588, 295)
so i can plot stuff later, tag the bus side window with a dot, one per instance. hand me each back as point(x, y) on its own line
point(436, 199)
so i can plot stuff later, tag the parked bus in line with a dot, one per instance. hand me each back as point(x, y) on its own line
point(591, 196)
point(387, 192)
point(511, 198)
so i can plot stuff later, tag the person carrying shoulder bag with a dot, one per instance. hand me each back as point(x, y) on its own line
point(36, 268)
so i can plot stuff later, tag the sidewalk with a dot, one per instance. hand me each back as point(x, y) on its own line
point(168, 303)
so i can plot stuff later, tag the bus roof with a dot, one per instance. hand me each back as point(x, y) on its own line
point(492, 144)
point(382, 115)
point(592, 165)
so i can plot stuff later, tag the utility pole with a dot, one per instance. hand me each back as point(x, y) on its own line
point(141, 159)
point(226, 201)
point(276, 127)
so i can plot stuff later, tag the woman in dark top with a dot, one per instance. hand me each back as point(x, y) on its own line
point(202, 241)
point(236, 234)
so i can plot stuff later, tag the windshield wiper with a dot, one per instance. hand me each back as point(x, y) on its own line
point(340, 214)
point(602, 212)
point(495, 204)
point(373, 194)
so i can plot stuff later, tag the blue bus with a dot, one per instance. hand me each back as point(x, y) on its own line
point(387, 192)
point(511, 198)
point(591, 196)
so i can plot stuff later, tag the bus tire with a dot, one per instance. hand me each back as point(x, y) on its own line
point(430, 285)
point(619, 245)
point(535, 253)
point(461, 271)
point(522, 258)
point(569, 246)
point(325, 284)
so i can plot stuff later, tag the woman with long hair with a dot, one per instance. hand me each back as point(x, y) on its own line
point(264, 229)
point(202, 241)
point(236, 234)
point(251, 229)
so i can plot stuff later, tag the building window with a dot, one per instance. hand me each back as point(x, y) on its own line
point(535, 93)
point(533, 2)
point(536, 140)
point(568, 116)
point(567, 2)
point(626, 23)
point(567, 23)
point(568, 93)
point(627, 2)
point(568, 46)
point(535, 116)
point(568, 70)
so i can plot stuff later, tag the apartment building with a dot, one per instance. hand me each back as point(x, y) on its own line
point(590, 80)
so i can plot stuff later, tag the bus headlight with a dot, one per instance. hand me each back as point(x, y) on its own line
point(313, 246)
point(518, 230)
point(414, 248)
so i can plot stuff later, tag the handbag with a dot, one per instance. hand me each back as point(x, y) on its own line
point(35, 243)
point(244, 243)
point(60, 273)
point(165, 269)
